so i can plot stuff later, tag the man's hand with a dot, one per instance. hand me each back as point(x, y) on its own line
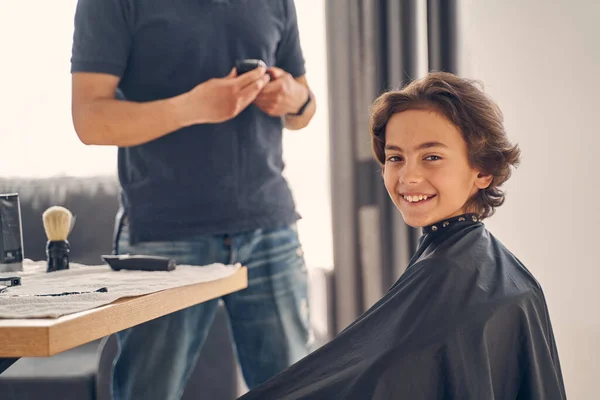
point(283, 95)
point(221, 99)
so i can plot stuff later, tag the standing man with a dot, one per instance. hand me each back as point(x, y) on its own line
point(200, 165)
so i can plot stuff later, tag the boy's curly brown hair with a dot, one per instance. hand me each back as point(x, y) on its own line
point(479, 119)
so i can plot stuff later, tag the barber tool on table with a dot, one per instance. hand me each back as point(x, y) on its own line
point(58, 223)
point(7, 282)
point(139, 262)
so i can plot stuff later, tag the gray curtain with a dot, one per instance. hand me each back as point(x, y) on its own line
point(372, 47)
point(442, 35)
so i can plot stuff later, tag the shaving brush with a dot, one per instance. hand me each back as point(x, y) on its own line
point(58, 223)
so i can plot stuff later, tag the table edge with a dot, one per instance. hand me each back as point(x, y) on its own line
point(53, 336)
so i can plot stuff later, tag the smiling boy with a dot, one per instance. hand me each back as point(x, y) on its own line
point(429, 178)
point(466, 320)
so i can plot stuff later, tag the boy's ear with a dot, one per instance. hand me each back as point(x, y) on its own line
point(483, 181)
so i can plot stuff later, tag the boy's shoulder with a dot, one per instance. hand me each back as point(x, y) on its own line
point(480, 264)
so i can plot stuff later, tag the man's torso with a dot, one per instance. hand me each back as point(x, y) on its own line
point(209, 178)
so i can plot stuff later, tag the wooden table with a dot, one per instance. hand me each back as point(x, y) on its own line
point(46, 337)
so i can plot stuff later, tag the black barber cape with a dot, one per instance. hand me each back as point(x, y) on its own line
point(465, 321)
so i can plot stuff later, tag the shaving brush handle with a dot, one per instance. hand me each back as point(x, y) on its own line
point(57, 253)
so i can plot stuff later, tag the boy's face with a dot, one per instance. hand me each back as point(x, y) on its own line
point(427, 171)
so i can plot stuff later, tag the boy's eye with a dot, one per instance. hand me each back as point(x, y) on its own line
point(433, 158)
point(393, 159)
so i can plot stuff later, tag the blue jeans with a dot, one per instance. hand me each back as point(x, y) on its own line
point(269, 320)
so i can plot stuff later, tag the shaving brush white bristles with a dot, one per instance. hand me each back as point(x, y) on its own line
point(58, 223)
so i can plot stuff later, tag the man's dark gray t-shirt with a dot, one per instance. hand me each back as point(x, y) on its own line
point(207, 178)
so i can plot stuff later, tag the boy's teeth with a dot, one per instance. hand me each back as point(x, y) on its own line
point(414, 199)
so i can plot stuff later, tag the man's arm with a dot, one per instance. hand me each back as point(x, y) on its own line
point(284, 96)
point(293, 122)
point(100, 119)
point(289, 90)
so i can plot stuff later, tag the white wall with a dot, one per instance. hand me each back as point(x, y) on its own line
point(35, 100)
point(306, 152)
point(540, 60)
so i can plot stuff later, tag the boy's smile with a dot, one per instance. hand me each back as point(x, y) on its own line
point(427, 171)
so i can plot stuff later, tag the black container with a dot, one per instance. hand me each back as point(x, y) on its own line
point(11, 233)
